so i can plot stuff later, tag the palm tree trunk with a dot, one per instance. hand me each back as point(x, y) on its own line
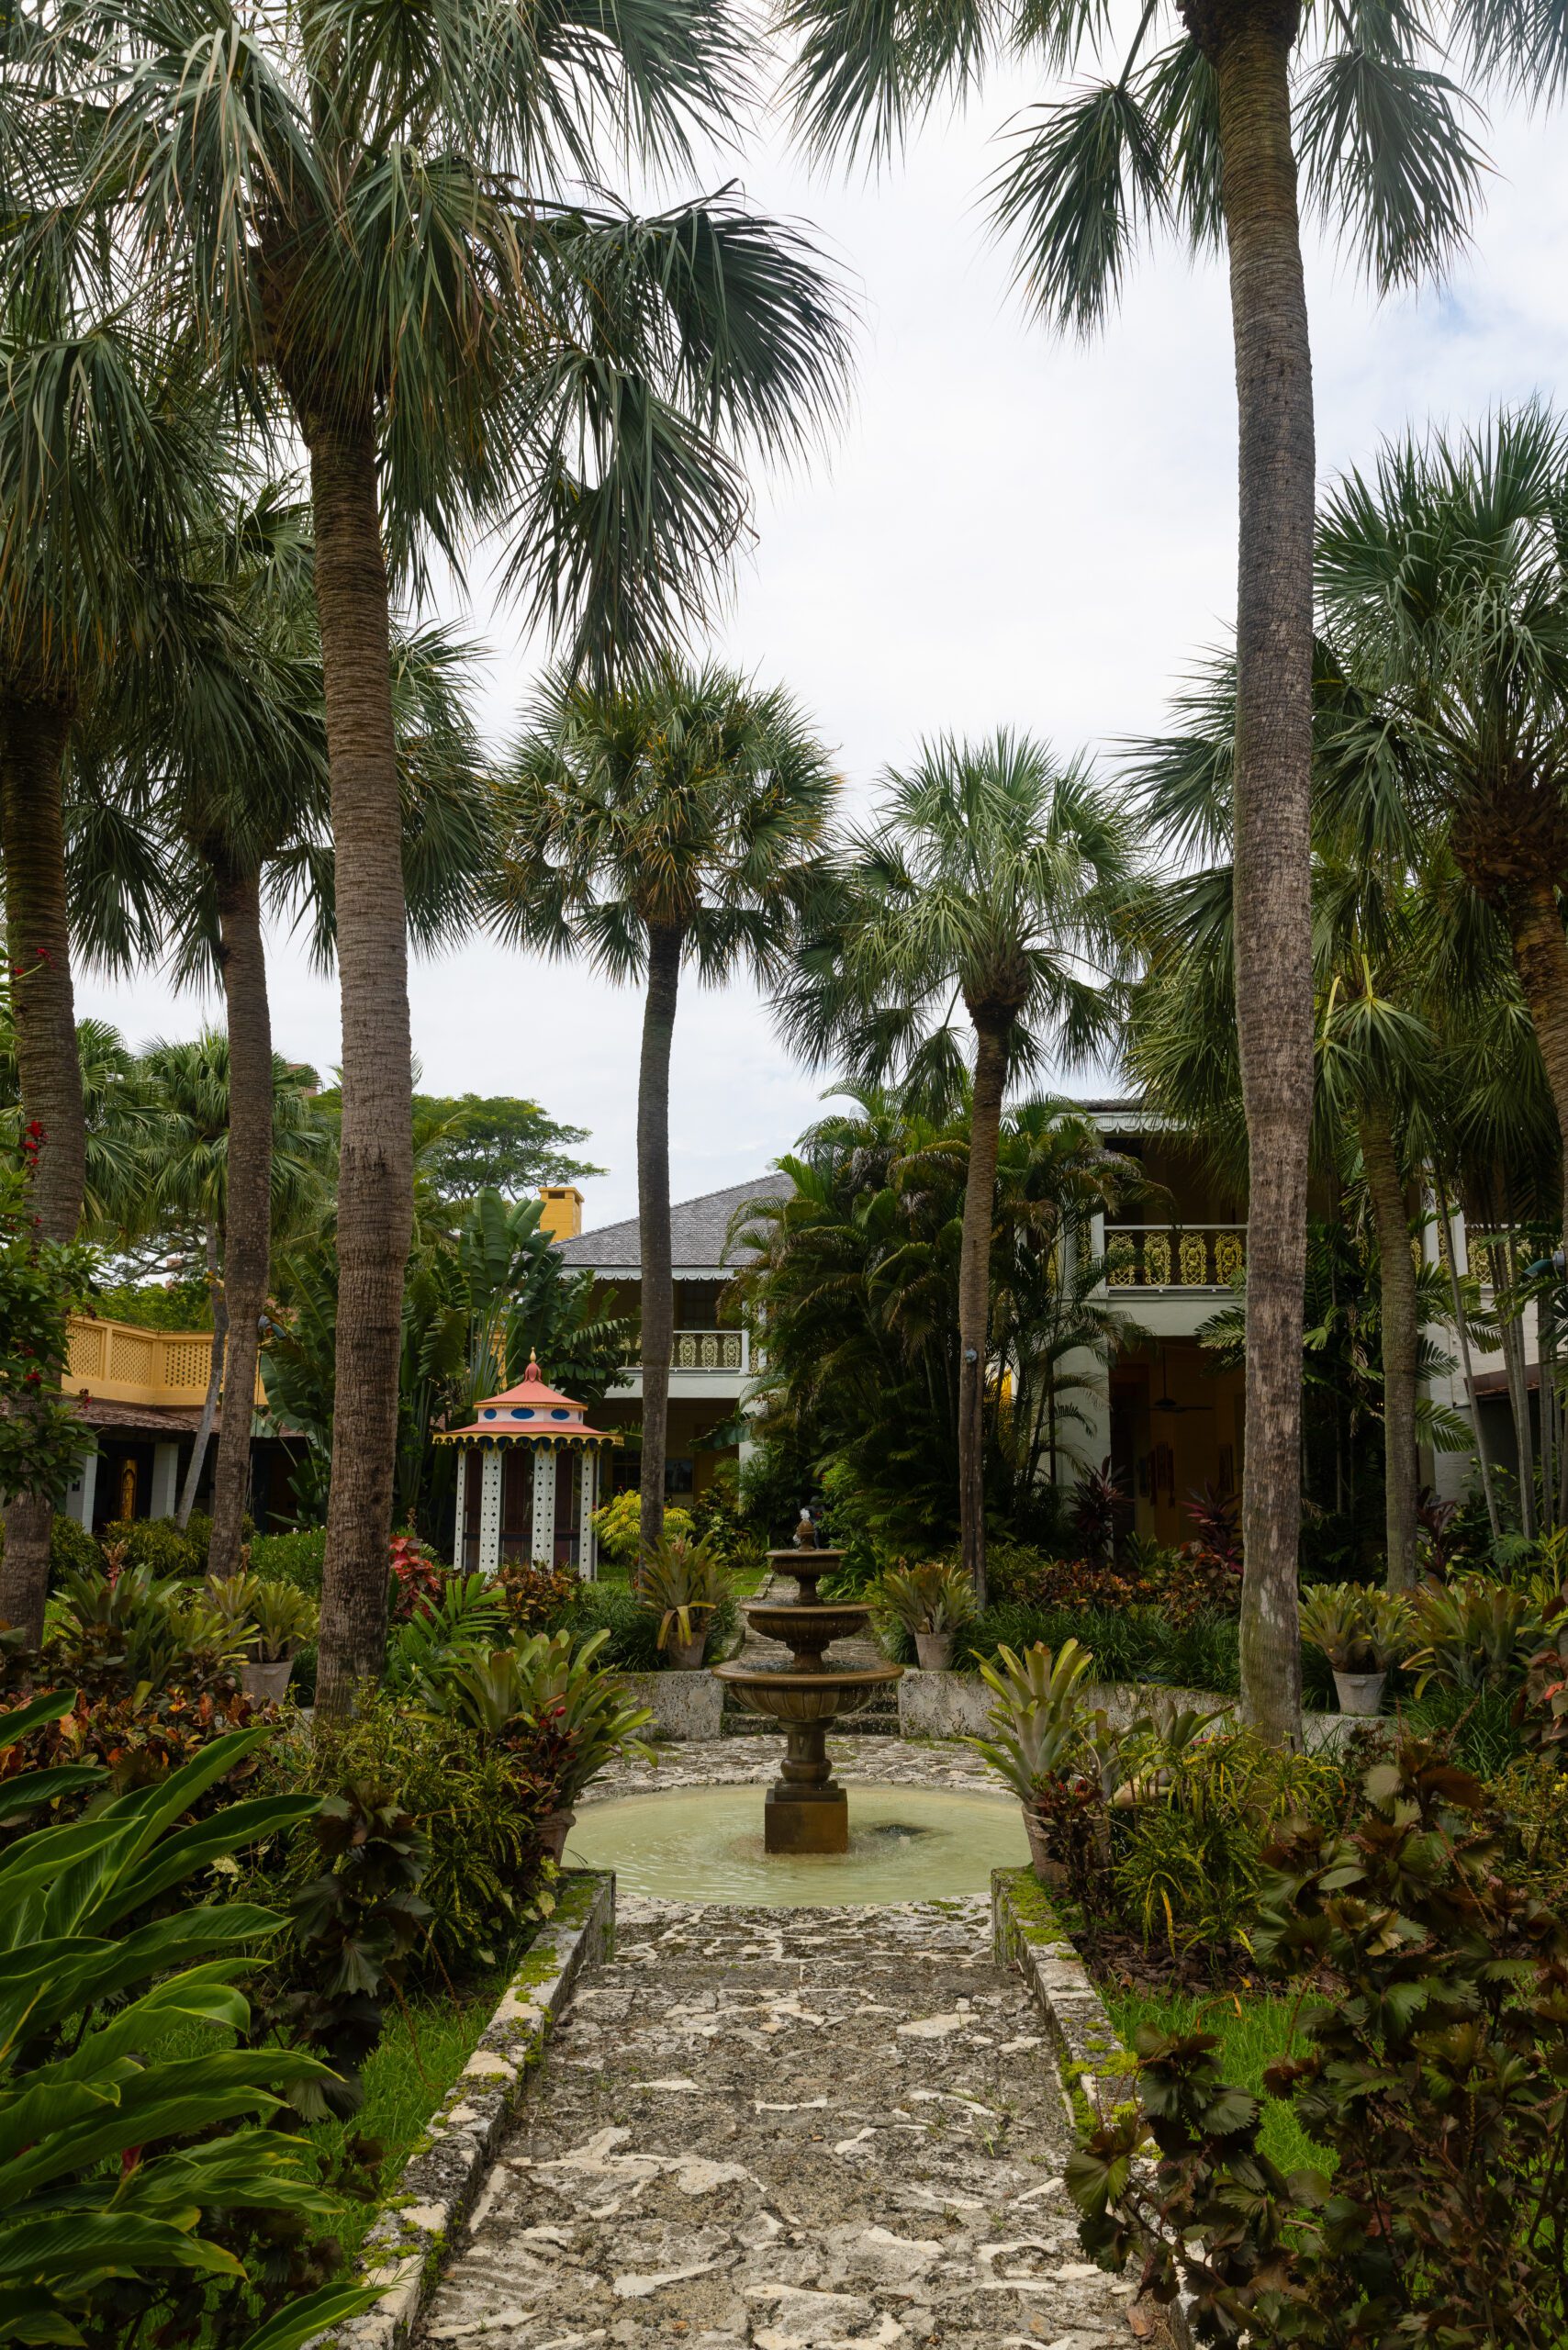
point(192, 1485)
point(664, 945)
point(974, 1292)
point(375, 1170)
point(247, 1215)
point(1250, 51)
point(38, 946)
point(1396, 1274)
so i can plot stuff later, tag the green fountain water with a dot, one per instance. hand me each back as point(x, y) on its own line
point(706, 1844)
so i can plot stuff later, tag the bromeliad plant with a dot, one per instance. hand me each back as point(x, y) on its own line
point(937, 1598)
point(121, 2157)
point(1475, 1634)
point(545, 1686)
point(1357, 1628)
point(684, 1581)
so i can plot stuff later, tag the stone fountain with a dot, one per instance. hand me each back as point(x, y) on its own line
point(807, 1810)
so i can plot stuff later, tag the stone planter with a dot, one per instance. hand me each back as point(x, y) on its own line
point(1358, 1693)
point(266, 1685)
point(935, 1650)
point(686, 1656)
point(554, 1830)
point(1046, 1866)
point(684, 1704)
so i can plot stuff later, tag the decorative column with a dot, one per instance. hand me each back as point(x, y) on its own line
point(542, 1533)
point(460, 1529)
point(83, 1487)
point(490, 1510)
point(587, 1540)
point(165, 1480)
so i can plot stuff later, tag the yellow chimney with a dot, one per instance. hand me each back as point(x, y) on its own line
point(563, 1217)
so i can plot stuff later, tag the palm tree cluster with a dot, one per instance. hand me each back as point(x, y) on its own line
point(297, 308)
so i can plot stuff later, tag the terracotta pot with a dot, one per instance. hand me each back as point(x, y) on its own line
point(935, 1650)
point(554, 1830)
point(266, 1685)
point(1360, 1693)
point(1048, 1869)
point(686, 1656)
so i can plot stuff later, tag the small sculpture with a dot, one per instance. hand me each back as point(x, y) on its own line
point(806, 1532)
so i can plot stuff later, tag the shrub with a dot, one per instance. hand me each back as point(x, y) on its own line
point(1436, 2074)
point(536, 1599)
point(1474, 1634)
point(159, 1546)
point(1128, 1644)
point(125, 1622)
point(456, 1627)
point(1357, 1629)
point(619, 1526)
point(720, 1517)
point(134, 1738)
point(71, 1547)
point(632, 1633)
point(547, 1696)
point(126, 2172)
point(417, 1577)
point(297, 1558)
point(475, 1805)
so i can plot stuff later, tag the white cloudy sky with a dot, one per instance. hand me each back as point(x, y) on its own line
point(1012, 530)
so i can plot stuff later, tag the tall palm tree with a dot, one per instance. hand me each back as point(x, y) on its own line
point(375, 231)
point(989, 884)
point(675, 819)
point(105, 464)
point(219, 805)
point(1443, 577)
point(188, 1179)
point(1202, 123)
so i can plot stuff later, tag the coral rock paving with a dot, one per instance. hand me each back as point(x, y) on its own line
point(792, 2128)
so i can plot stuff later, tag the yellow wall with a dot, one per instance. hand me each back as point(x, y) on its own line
point(563, 1217)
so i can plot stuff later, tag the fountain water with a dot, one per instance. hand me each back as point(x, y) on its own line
point(807, 1810)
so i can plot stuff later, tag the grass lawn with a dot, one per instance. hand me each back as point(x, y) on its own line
point(1254, 2030)
point(415, 2062)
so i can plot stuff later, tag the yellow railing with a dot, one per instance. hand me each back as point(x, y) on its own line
point(121, 1363)
point(1174, 1256)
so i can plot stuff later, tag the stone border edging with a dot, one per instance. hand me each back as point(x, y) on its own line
point(440, 2180)
point(1096, 2068)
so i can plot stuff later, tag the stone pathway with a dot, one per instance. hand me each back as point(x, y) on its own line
point(745, 1763)
point(786, 2129)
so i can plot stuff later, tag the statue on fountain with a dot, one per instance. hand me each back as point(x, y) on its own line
point(807, 1810)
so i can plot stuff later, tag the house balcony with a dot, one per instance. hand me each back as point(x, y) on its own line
point(706, 1364)
point(1174, 1257)
point(119, 1363)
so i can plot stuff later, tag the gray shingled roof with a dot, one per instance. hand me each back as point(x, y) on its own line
point(698, 1229)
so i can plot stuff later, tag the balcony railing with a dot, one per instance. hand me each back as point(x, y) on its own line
point(1174, 1256)
point(709, 1350)
point(120, 1362)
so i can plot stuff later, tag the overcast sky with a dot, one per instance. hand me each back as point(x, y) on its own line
point(1012, 530)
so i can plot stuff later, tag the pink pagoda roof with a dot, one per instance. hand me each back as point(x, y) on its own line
point(530, 1411)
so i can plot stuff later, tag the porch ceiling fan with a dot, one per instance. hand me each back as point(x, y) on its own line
point(1165, 1401)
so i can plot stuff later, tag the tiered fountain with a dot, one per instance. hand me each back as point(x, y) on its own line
point(807, 1810)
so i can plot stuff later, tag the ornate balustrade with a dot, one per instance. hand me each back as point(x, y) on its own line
point(1174, 1256)
point(709, 1350)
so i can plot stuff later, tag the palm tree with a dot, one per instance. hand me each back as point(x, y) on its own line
point(674, 820)
point(188, 1170)
point(1444, 584)
point(380, 236)
point(220, 802)
point(990, 879)
point(103, 469)
point(1198, 127)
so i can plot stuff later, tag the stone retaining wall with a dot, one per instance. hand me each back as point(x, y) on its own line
point(954, 1704)
point(684, 1705)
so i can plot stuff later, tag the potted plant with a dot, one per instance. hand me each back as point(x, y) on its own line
point(1038, 1744)
point(683, 1580)
point(1361, 1632)
point(272, 1620)
point(932, 1602)
point(544, 1682)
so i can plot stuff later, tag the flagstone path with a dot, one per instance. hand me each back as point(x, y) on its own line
point(787, 2130)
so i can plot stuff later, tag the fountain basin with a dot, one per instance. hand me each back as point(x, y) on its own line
point(705, 1844)
point(788, 1695)
point(792, 1621)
